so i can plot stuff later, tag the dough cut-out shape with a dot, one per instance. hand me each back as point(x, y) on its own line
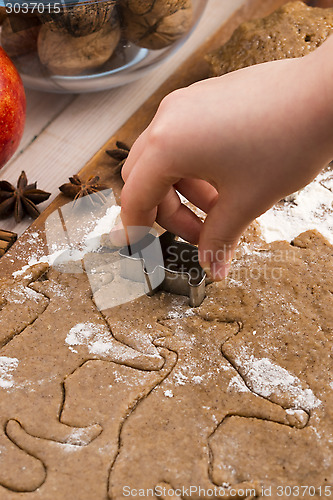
point(20, 305)
point(263, 443)
point(166, 437)
point(283, 353)
point(97, 390)
point(33, 365)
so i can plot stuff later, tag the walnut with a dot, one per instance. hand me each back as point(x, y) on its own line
point(64, 54)
point(165, 22)
point(80, 20)
point(159, 8)
point(3, 14)
point(19, 37)
point(321, 3)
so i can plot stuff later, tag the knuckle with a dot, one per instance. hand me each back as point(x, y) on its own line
point(158, 137)
point(164, 128)
point(171, 100)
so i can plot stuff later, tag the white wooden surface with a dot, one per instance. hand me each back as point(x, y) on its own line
point(64, 131)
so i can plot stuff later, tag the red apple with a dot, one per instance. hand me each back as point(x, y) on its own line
point(12, 108)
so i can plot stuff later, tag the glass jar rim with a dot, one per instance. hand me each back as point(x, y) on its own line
point(31, 5)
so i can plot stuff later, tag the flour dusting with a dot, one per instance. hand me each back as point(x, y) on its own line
point(79, 437)
point(98, 340)
point(21, 294)
point(168, 393)
point(267, 378)
point(237, 384)
point(95, 337)
point(180, 378)
point(80, 244)
point(7, 367)
point(310, 208)
point(103, 226)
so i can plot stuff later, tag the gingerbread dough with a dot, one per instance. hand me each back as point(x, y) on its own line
point(154, 393)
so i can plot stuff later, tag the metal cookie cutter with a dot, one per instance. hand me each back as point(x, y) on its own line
point(165, 264)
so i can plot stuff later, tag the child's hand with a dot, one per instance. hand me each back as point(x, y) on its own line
point(233, 146)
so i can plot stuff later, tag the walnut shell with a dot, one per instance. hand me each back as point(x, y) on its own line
point(3, 14)
point(18, 42)
point(80, 20)
point(159, 8)
point(324, 4)
point(64, 54)
point(156, 29)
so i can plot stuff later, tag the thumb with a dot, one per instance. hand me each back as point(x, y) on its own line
point(219, 237)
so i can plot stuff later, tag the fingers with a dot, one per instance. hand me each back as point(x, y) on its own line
point(171, 214)
point(179, 219)
point(144, 189)
point(222, 229)
point(146, 186)
point(136, 151)
point(199, 192)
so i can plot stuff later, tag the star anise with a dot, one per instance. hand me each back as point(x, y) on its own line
point(78, 188)
point(21, 199)
point(119, 154)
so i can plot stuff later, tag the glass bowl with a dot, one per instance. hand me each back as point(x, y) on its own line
point(128, 62)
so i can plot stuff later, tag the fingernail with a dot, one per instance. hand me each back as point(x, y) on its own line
point(206, 267)
point(118, 236)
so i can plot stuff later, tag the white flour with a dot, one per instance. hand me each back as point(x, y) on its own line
point(267, 378)
point(311, 208)
point(95, 337)
point(7, 366)
point(168, 394)
point(78, 437)
point(237, 384)
point(90, 242)
point(103, 226)
point(21, 294)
